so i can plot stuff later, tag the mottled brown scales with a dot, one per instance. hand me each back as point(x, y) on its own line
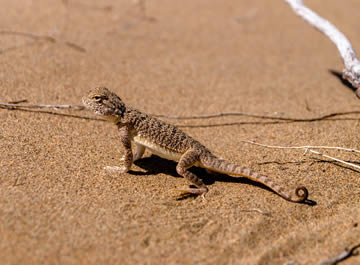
point(169, 142)
point(159, 132)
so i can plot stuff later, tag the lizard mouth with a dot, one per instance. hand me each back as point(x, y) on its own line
point(88, 105)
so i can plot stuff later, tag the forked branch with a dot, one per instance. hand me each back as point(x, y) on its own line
point(351, 62)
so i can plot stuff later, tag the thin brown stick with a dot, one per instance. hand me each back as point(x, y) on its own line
point(226, 114)
point(307, 149)
point(341, 257)
point(42, 37)
point(28, 35)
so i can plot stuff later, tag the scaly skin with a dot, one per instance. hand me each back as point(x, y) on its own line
point(169, 142)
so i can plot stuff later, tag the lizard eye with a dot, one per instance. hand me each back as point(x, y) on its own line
point(97, 98)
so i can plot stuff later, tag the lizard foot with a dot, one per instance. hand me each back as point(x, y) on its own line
point(116, 169)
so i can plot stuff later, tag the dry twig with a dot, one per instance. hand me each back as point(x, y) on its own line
point(227, 114)
point(341, 257)
point(348, 55)
point(307, 148)
point(41, 37)
point(34, 106)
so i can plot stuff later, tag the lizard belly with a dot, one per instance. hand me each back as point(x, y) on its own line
point(157, 149)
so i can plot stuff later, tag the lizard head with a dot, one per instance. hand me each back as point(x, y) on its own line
point(104, 102)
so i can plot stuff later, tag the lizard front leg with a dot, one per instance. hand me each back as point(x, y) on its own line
point(128, 156)
point(187, 160)
point(140, 149)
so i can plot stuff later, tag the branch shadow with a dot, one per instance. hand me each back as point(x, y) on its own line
point(339, 164)
point(155, 165)
point(342, 80)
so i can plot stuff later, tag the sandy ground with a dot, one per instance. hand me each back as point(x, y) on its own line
point(58, 206)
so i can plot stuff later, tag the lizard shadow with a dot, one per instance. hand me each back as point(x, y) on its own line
point(155, 165)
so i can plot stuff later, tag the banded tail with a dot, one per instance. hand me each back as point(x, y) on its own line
point(221, 166)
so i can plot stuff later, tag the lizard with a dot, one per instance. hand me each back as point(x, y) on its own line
point(168, 141)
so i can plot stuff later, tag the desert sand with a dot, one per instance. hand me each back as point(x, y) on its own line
point(190, 57)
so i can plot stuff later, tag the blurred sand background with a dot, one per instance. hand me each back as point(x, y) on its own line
point(58, 206)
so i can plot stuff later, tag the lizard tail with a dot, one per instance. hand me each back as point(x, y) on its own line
point(221, 166)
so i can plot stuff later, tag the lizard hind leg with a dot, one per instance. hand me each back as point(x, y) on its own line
point(186, 161)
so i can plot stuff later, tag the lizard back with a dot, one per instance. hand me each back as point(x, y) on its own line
point(159, 132)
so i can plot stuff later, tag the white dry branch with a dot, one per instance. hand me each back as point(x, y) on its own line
point(342, 256)
point(351, 62)
point(309, 148)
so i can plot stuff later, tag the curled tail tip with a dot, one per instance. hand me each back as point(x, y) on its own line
point(302, 193)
